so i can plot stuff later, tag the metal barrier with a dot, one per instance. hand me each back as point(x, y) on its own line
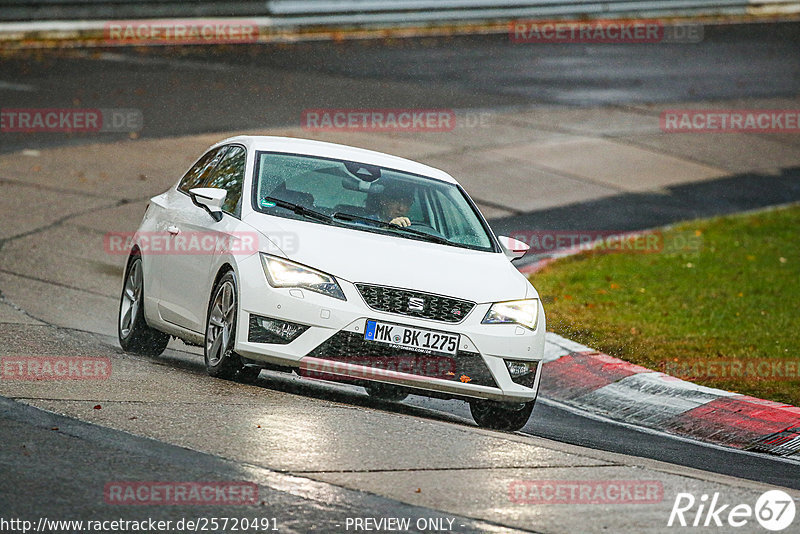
point(361, 12)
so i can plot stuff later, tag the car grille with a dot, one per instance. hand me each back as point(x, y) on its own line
point(415, 303)
point(350, 347)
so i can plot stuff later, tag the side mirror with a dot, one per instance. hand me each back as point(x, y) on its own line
point(513, 248)
point(210, 199)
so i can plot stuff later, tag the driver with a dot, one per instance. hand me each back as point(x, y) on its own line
point(391, 205)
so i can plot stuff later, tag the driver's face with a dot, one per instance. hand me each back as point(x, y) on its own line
point(395, 207)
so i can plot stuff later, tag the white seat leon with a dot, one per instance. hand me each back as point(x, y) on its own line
point(336, 263)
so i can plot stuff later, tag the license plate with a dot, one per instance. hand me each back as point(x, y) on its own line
point(416, 339)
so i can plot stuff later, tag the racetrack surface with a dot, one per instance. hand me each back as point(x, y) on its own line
point(327, 452)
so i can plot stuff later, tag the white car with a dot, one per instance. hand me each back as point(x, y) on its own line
point(285, 254)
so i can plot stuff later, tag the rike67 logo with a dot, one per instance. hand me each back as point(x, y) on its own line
point(774, 510)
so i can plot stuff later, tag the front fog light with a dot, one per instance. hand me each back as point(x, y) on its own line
point(268, 330)
point(522, 372)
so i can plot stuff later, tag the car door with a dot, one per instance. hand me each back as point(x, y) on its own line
point(228, 175)
point(183, 267)
point(159, 217)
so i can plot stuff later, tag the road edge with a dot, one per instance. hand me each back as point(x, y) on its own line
point(270, 29)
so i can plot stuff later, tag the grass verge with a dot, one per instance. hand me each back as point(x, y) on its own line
point(719, 305)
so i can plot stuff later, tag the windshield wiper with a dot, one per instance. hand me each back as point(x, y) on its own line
point(300, 210)
point(428, 237)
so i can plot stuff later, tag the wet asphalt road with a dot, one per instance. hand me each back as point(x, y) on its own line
point(190, 90)
point(195, 90)
point(61, 465)
point(47, 456)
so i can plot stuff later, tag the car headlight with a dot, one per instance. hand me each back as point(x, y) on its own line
point(285, 273)
point(522, 312)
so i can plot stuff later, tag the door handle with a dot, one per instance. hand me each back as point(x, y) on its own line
point(174, 230)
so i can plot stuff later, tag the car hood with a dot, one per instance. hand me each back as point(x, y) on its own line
point(367, 257)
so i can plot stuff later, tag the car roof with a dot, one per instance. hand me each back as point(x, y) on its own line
point(310, 147)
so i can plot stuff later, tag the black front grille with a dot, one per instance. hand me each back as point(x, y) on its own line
point(351, 347)
point(415, 303)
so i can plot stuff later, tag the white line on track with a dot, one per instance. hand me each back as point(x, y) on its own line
point(16, 86)
point(115, 57)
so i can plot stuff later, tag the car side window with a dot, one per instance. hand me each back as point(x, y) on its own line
point(199, 174)
point(229, 175)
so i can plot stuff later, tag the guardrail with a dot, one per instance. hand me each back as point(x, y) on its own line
point(360, 12)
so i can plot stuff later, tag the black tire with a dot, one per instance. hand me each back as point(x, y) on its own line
point(220, 336)
point(386, 392)
point(248, 374)
point(135, 335)
point(499, 415)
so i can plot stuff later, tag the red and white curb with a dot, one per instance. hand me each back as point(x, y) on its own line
point(590, 381)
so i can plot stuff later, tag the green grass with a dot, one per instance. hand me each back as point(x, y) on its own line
point(735, 297)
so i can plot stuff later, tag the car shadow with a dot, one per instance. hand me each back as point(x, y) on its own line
point(179, 358)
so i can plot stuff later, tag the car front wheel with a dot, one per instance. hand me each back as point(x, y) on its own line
point(500, 415)
point(221, 361)
point(135, 336)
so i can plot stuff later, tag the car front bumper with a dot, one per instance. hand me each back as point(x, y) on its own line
point(333, 343)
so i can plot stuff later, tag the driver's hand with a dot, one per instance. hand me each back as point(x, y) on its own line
point(401, 221)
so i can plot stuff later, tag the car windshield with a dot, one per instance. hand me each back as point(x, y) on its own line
point(367, 197)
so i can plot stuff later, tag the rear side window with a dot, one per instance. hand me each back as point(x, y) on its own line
point(229, 175)
point(199, 174)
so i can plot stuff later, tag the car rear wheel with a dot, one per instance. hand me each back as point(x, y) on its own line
point(386, 392)
point(135, 336)
point(500, 415)
point(221, 361)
